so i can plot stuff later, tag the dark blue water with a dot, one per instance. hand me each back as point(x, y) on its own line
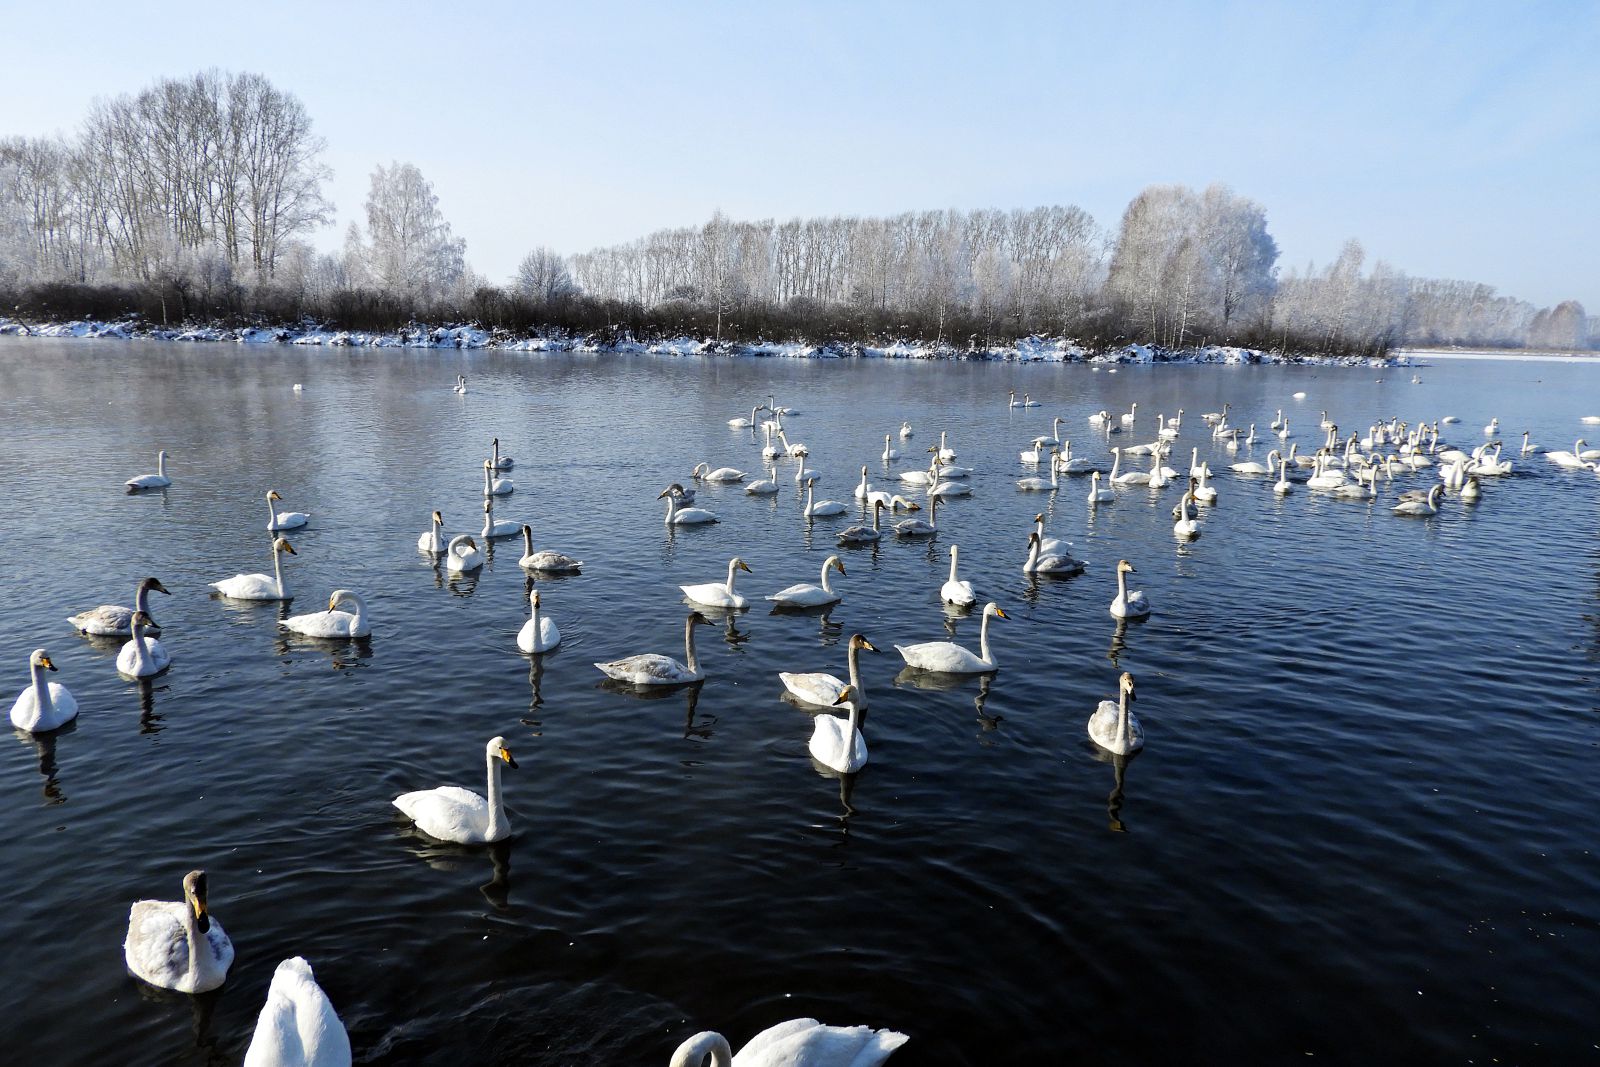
point(1362, 827)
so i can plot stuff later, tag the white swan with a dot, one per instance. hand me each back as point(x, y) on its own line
point(947, 489)
point(259, 586)
point(501, 463)
point(1255, 466)
point(943, 451)
point(1130, 478)
point(43, 705)
point(1132, 416)
point(451, 813)
point(461, 384)
point(1471, 491)
point(114, 620)
point(283, 520)
point(494, 528)
point(142, 657)
point(493, 486)
point(769, 450)
point(1050, 546)
point(1054, 563)
point(1493, 429)
point(1028, 401)
point(1422, 508)
point(1187, 526)
point(1128, 605)
point(545, 561)
point(677, 516)
point(837, 743)
point(1113, 726)
point(333, 623)
point(916, 527)
point(463, 556)
point(823, 690)
point(720, 594)
point(818, 509)
point(539, 633)
point(863, 489)
point(650, 668)
point(1037, 453)
point(796, 1043)
point(890, 453)
point(1204, 491)
point(1100, 418)
point(742, 423)
point(297, 1026)
point(947, 657)
point(905, 430)
point(793, 451)
point(1098, 495)
point(806, 595)
point(957, 591)
point(703, 472)
point(1573, 459)
point(1013, 402)
point(432, 542)
point(862, 535)
point(761, 487)
point(1039, 485)
point(178, 946)
point(158, 480)
point(1283, 486)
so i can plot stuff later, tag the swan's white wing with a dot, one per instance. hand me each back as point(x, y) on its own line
point(802, 593)
point(109, 620)
point(805, 1042)
point(155, 948)
point(297, 1026)
point(449, 812)
point(248, 587)
point(815, 688)
point(647, 669)
point(1103, 723)
point(714, 593)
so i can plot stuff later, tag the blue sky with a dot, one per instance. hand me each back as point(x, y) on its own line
point(1453, 139)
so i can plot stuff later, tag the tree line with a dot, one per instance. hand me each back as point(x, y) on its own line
point(198, 198)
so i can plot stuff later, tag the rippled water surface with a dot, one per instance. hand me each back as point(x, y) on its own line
point(1363, 827)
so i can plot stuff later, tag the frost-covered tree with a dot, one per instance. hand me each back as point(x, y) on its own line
point(543, 276)
point(408, 249)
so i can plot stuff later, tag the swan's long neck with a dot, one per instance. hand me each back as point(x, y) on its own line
point(1122, 586)
point(1122, 721)
point(688, 646)
point(863, 481)
point(672, 509)
point(952, 563)
point(487, 485)
point(1033, 556)
point(360, 612)
point(533, 607)
point(277, 571)
point(854, 658)
point(826, 588)
point(983, 640)
point(732, 571)
point(272, 515)
point(497, 453)
point(852, 726)
point(193, 935)
point(138, 643)
point(161, 464)
point(1116, 462)
point(497, 810)
point(141, 598)
point(527, 541)
point(41, 691)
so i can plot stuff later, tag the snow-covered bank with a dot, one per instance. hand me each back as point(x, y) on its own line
point(1024, 350)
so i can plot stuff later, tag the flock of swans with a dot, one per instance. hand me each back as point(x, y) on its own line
point(180, 946)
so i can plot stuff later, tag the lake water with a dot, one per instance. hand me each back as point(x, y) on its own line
point(1362, 828)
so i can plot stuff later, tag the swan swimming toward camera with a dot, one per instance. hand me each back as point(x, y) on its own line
point(333, 623)
point(1113, 726)
point(539, 633)
point(450, 813)
point(947, 657)
point(1128, 605)
point(260, 586)
point(957, 591)
point(493, 486)
point(796, 1043)
point(297, 1026)
point(141, 657)
point(433, 542)
point(43, 705)
point(494, 528)
point(1057, 563)
point(837, 743)
point(114, 620)
point(178, 946)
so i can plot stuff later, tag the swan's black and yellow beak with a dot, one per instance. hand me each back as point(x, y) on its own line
point(273, 495)
point(505, 754)
point(1001, 613)
point(44, 661)
point(745, 567)
point(845, 696)
point(868, 645)
point(158, 587)
point(331, 602)
point(287, 547)
point(197, 901)
point(838, 565)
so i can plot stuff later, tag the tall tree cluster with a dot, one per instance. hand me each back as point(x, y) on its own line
point(206, 174)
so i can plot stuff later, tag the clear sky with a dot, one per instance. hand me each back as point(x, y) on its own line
point(1457, 139)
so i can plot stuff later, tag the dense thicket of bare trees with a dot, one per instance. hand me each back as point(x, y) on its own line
point(196, 197)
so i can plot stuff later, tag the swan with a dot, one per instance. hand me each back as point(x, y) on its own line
point(178, 946)
point(652, 669)
point(1256, 467)
point(704, 472)
point(1424, 508)
point(1283, 486)
point(114, 620)
point(823, 690)
point(1028, 401)
point(140, 658)
point(539, 633)
point(283, 520)
point(861, 535)
point(1471, 491)
point(1014, 403)
point(463, 555)
point(946, 469)
point(837, 743)
point(158, 480)
point(259, 586)
point(1325, 478)
point(461, 384)
point(333, 623)
point(864, 488)
point(297, 1026)
point(769, 450)
point(957, 591)
point(890, 453)
point(1359, 489)
point(1590, 419)
point(501, 463)
point(1493, 429)
point(720, 594)
point(1573, 459)
point(1128, 605)
point(545, 561)
point(1299, 396)
point(493, 486)
point(1050, 546)
point(761, 487)
point(1113, 726)
point(916, 527)
point(432, 541)
point(1528, 447)
point(1277, 423)
point(906, 431)
point(796, 1043)
point(1326, 423)
point(451, 813)
point(947, 657)
point(1132, 416)
point(742, 423)
point(1037, 453)
point(921, 477)
point(1283, 431)
point(1039, 484)
point(1204, 492)
point(1054, 563)
point(677, 516)
point(1211, 418)
point(794, 451)
point(1130, 478)
point(949, 489)
point(944, 452)
point(1098, 495)
point(43, 706)
point(819, 509)
point(496, 528)
point(803, 472)
point(1187, 526)
point(806, 595)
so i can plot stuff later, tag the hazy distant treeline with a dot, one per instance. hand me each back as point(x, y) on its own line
point(197, 198)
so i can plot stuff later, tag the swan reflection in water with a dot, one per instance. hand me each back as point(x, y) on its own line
point(149, 721)
point(44, 746)
point(828, 631)
point(449, 858)
point(987, 723)
point(1119, 638)
point(695, 726)
point(1119, 765)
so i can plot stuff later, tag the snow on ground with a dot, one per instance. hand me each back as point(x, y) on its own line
point(1023, 350)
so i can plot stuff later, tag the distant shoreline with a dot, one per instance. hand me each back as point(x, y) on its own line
point(1532, 354)
point(1023, 350)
